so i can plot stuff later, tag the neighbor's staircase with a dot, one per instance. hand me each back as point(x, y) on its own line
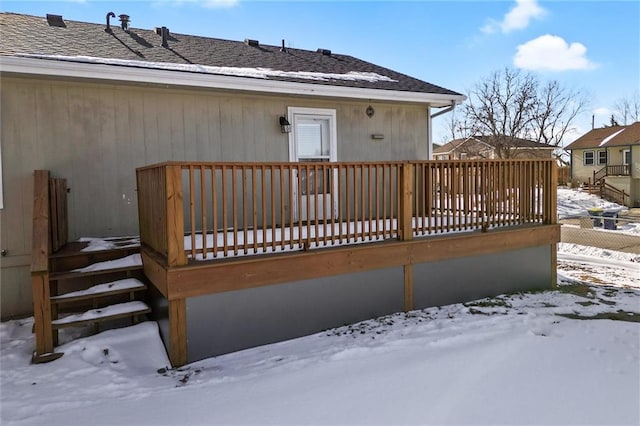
point(74, 285)
point(603, 189)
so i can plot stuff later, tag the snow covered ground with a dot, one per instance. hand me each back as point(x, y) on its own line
point(568, 356)
point(564, 356)
point(574, 202)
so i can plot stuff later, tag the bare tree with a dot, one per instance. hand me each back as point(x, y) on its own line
point(627, 109)
point(509, 105)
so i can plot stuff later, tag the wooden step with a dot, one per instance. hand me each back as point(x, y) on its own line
point(69, 275)
point(113, 288)
point(112, 312)
point(72, 256)
point(132, 262)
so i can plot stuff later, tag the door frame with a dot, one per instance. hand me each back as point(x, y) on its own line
point(317, 112)
point(322, 113)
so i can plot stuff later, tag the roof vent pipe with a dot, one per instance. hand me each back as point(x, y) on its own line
point(108, 29)
point(283, 49)
point(165, 36)
point(124, 22)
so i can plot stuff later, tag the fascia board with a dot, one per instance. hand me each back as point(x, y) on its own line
point(47, 67)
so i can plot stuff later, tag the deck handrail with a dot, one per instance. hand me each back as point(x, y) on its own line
point(615, 170)
point(208, 210)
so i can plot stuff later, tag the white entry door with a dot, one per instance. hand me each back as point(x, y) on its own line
point(313, 140)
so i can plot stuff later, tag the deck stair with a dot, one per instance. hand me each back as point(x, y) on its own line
point(103, 287)
point(96, 281)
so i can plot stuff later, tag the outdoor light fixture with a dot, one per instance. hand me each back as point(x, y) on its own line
point(370, 111)
point(285, 126)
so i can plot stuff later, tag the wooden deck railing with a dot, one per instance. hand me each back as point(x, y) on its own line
point(213, 210)
point(617, 170)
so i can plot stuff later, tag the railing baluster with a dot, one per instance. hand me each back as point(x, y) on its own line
point(283, 222)
point(254, 207)
point(245, 224)
point(348, 202)
point(263, 194)
point(192, 212)
point(214, 209)
point(308, 202)
point(203, 211)
point(377, 202)
point(273, 209)
point(234, 204)
point(326, 194)
point(224, 211)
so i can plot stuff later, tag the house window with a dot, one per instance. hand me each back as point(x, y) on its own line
point(463, 155)
point(626, 157)
point(602, 157)
point(588, 159)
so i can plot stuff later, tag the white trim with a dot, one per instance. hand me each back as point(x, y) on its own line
point(55, 68)
point(322, 113)
point(333, 130)
point(624, 157)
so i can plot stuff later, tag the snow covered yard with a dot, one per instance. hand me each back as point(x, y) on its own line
point(564, 356)
point(568, 356)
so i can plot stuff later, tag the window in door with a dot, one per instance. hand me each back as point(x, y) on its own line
point(626, 157)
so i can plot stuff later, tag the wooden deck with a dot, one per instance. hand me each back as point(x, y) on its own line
point(406, 213)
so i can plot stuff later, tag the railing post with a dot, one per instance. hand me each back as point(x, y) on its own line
point(552, 187)
point(175, 216)
point(405, 216)
point(40, 250)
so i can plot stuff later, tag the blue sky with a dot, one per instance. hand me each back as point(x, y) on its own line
point(591, 46)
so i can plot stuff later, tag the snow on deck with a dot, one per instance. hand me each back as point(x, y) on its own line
point(297, 238)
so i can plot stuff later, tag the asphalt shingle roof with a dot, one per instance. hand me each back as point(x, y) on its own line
point(488, 140)
point(25, 35)
point(608, 136)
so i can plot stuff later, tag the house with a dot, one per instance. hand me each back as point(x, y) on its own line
point(485, 147)
point(276, 191)
point(609, 159)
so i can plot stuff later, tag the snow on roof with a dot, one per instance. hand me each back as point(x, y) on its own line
point(264, 73)
point(608, 138)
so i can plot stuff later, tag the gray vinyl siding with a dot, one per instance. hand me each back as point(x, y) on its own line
point(95, 135)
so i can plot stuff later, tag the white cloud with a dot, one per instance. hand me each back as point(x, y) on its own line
point(602, 111)
point(552, 53)
point(518, 18)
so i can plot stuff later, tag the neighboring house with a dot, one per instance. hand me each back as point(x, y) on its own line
point(609, 158)
point(271, 149)
point(485, 148)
